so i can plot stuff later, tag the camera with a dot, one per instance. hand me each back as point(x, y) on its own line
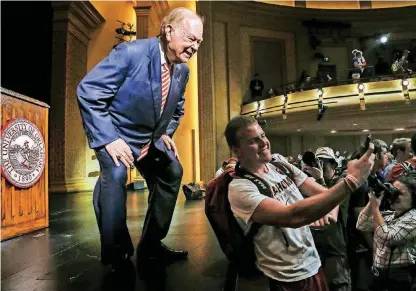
point(310, 159)
point(379, 187)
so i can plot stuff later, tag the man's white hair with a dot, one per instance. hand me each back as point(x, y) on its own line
point(176, 18)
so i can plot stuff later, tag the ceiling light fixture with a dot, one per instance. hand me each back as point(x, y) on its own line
point(333, 131)
point(399, 129)
point(361, 88)
point(366, 130)
point(355, 124)
point(321, 107)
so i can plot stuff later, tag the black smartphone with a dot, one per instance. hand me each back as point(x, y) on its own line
point(367, 142)
point(310, 159)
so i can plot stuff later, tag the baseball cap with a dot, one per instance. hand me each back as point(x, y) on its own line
point(325, 153)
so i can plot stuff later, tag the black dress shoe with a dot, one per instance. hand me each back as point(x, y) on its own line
point(121, 264)
point(172, 254)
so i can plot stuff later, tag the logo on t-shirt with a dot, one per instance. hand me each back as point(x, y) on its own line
point(278, 190)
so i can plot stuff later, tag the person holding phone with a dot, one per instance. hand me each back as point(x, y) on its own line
point(331, 241)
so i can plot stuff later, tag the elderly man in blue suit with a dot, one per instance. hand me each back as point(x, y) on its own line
point(131, 104)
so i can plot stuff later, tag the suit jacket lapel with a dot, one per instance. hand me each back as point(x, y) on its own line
point(156, 76)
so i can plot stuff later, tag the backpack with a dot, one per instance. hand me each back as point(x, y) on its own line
point(193, 191)
point(237, 247)
point(407, 166)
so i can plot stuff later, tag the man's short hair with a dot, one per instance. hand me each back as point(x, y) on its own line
point(413, 143)
point(176, 17)
point(379, 146)
point(399, 144)
point(234, 125)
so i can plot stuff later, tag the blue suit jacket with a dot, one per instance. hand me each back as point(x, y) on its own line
point(121, 97)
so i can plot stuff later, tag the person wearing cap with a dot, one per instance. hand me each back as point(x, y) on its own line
point(331, 241)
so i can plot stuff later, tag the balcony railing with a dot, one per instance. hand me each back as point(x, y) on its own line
point(326, 80)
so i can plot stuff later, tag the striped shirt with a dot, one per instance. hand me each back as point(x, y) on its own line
point(397, 234)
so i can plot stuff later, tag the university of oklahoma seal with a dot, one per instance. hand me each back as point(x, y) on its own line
point(22, 153)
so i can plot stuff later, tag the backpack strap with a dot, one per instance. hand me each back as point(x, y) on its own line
point(283, 168)
point(264, 189)
point(261, 184)
point(406, 166)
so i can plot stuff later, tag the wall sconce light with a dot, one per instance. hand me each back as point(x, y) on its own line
point(361, 88)
point(405, 89)
point(321, 107)
point(258, 106)
point(125, 30)
point(285, 99)
point(321, 110)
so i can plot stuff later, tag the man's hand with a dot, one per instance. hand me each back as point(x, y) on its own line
point(361, 169)
point(374, 200)
point(119, 150)
point(323, 222)
point(170, 145)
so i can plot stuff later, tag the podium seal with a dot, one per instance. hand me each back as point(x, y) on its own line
point(22, 153)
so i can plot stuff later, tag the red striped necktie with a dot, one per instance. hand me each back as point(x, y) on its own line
point(165, 91)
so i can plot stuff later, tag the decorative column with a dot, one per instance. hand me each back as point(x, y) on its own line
point(142, 21)
point(73, 23)
point(206, 97)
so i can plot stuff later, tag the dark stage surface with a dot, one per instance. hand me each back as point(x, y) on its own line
point(66, 255)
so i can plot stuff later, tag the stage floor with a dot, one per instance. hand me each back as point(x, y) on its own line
point(66, 255)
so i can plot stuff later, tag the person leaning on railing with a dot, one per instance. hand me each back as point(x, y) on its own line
point(394, 255)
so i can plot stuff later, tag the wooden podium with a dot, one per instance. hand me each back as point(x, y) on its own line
point(24, 207)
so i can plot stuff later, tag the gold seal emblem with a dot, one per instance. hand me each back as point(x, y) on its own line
point(22, 152)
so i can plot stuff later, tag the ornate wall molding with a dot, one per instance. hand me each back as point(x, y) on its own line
point(142, 21)
point(206, 97)
point(81, 18)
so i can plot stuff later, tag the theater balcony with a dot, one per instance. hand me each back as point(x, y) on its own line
point(352, 109)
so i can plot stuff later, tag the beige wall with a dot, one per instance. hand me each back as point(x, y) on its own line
point(103, 39)
point(101, 43)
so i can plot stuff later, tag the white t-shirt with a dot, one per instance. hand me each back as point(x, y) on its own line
point(290, 260)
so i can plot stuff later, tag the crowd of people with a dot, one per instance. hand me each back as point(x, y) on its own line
point(316, 227)
point(364, 241)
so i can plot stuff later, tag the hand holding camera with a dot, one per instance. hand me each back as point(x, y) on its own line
point(312, 165)
point(375, 200)
point(361, 169)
